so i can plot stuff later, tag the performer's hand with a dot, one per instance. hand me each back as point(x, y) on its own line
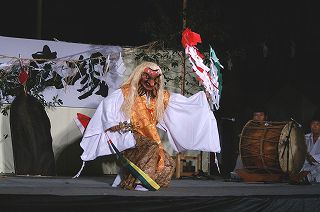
point(113, 129)
point(122, 127)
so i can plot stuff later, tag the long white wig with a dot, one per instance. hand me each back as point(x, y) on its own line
point(133, 82)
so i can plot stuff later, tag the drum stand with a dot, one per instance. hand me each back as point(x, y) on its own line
point(287, 147)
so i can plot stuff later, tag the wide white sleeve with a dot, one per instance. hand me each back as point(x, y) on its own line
point(95, 141)
point(190, 124)
point(315, 151)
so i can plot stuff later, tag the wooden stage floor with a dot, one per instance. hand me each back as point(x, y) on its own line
point(32, 193)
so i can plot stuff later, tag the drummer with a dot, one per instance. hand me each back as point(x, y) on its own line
point(257, 115)
point(312, 162)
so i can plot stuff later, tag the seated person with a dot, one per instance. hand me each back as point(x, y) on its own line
point(257, 115)
point(312, 162)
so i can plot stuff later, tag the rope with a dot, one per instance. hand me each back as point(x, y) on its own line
point(216, 161)
point(126, 50)
point(79, 172)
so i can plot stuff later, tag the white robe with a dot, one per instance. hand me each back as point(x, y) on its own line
point(314, 150)
point(189, 122)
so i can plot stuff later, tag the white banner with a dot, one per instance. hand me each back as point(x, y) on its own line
point(81, 75)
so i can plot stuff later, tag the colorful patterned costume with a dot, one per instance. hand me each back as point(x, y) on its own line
point(148, 153)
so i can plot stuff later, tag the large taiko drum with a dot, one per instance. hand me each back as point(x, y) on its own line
point(272, 147)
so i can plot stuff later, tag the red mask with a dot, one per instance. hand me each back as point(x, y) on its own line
point(149, 81)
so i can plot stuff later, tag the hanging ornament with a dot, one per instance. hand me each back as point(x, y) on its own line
point(209, 77)
point(23, 77)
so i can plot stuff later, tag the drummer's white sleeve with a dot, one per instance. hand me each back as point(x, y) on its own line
point(95, 141)
point(315, 150)
point(190, 124)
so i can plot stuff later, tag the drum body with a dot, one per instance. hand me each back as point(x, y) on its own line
point(272, 147)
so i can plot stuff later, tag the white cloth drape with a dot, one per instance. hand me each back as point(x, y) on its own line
point(190, 124)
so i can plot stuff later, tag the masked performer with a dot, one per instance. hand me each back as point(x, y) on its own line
point(130, 116)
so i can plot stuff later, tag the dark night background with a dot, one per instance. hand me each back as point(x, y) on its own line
point(284, 82)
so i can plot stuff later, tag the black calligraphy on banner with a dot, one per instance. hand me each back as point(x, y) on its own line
point(89, 70)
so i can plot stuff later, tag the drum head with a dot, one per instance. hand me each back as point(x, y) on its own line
point(292, 142)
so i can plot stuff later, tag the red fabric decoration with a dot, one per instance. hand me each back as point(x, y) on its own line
point(190, 38)
point(23, 76)
point(84, 120)
point(199, 54)
point(200, 69)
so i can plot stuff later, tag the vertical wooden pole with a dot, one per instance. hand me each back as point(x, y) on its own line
point(184, 25)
